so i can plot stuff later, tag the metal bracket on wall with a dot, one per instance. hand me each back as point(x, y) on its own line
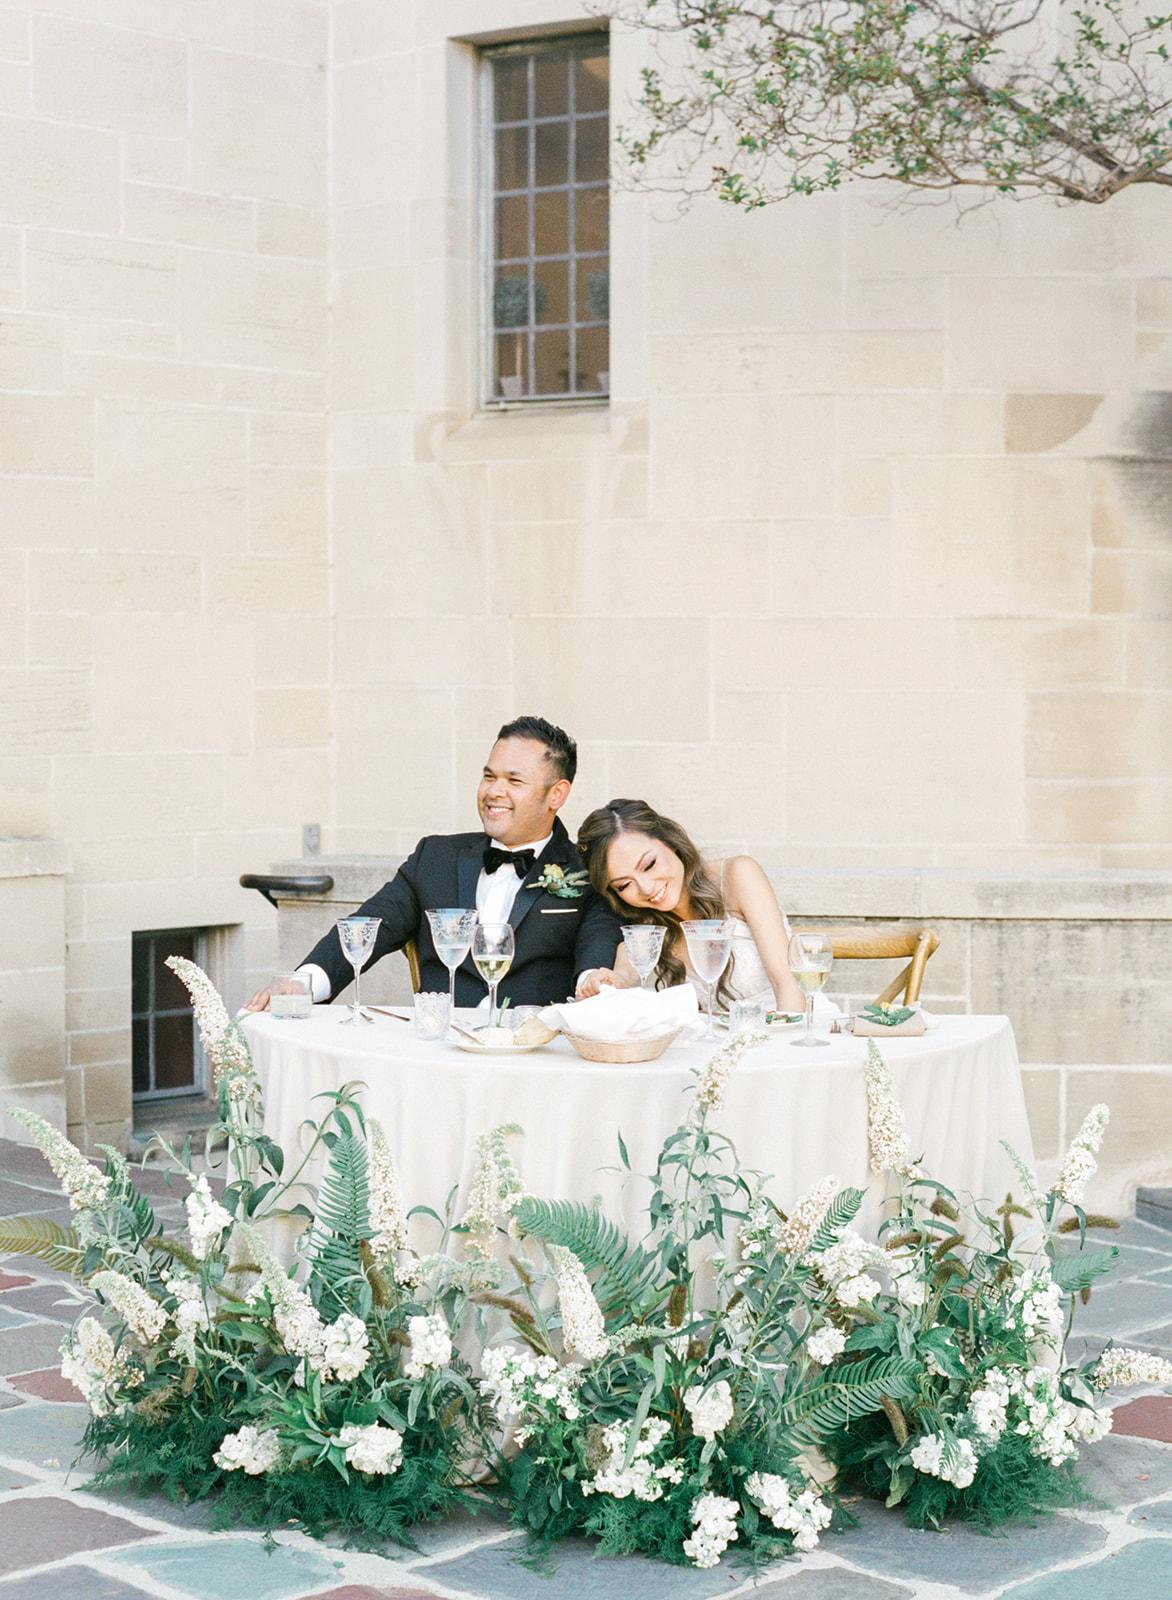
point(309, 883)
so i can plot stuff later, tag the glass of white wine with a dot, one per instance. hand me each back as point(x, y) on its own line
point(709, 941)
point(451, 933)
point(810, 958)
point(492, 954)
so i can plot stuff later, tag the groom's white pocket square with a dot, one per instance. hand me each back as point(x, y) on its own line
point(559, 911)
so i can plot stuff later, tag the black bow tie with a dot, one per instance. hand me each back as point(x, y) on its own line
point(520, 860)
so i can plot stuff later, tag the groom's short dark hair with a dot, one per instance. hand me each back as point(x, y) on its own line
point(560, 749)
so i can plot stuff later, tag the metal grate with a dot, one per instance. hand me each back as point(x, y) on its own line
point(548, 290)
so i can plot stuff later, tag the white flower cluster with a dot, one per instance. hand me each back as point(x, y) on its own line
point(1121, 1366)
point(756, 1233)
point(711, 1409)
point(583, 1325)
point(844, 1268)
point(375, 1449)
point(388, 1220)
point(206, 1218)
point(714, 1076)
point(223, 1041)
point(886, 1132)
point(249, 1450)
point(518, 1382)
point(1079, 1163)
point(91, 1364)
point(496, 1186)
point(345, 1348)
point(909, 1288)
point(952, 1460)
point(989, 1406)
point(1035, 1306)
point(715, 1520)
point(140, 1311)
point(825, 1345)
point(431, 1345)
point(804, 1515)
point(644, 1478)
point(85, 1187)
point(1054, 1426)
point(795, 1235)
point(190, 1315)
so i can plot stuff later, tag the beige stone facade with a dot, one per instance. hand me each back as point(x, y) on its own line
point(865, 565)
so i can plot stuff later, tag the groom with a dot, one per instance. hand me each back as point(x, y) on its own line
point(505, 873)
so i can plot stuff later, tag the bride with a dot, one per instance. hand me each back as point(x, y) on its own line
point(649, 870)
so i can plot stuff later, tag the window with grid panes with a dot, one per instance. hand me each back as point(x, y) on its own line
point(548, 201)
point(166, 1058)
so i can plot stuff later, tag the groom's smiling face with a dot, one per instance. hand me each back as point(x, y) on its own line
point(519, 794)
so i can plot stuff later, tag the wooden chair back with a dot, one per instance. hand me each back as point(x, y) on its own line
point(880, 944)
point(411, 951)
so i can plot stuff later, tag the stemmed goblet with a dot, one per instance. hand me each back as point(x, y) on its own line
point(451, 933)
point(492, 951)
point(357, 936)
point(810, 959)
point(709, 942)
point(644, 942)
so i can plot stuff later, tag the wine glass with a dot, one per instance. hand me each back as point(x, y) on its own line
point(357, 936)
point(810, 958)
point(492, 952)
point(709, 947)
point(451, 933)
point(644, 942)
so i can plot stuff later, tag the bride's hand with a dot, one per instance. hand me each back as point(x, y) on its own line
point(591, 982)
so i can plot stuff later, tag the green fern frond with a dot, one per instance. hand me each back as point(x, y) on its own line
point(840, 1213)
point(1075, 1272)
point(43, 1239)
point(624, 1270)
point(343, 1201)
point(851, 1392)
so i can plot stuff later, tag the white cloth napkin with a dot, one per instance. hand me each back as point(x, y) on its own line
point(613, 1015)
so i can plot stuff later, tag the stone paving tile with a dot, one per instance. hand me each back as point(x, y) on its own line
point(21, 1199)
point(832, 1583)
point(1158, 1339)
point(1149, 1418)
point(47, 1384)
point(1157, 1516)
point(363, 1591)
point(45, 1435)
point(10, 1479)
point(31, 1346)
point(194, 1514)
point(229, 1568)
point(1121, 1472)
point(1124, 1306)
point(1140, 1571)
point(454, 1532)
point(975, 1561)
point(576, 1569)
point(7, 1401)
point(10, 1280)
point(42, 1300)
point(70, 1583)
point(1135, 1262)
point(37, 1529)
point(13, 1318)
point(1132, 1230)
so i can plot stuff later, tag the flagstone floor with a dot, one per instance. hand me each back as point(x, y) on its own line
point(59, 1541)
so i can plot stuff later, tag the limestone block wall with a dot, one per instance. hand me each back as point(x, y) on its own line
point(32, 979)
point(164, 652)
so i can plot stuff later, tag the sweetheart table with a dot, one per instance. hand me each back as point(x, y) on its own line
point(794, 1113)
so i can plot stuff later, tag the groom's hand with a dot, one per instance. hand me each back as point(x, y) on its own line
point(591, 982)
point(259, 1001)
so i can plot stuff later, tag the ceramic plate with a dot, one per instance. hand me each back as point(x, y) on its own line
point(494, 1049)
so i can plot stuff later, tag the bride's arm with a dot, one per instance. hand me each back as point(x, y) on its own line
point(750, 891)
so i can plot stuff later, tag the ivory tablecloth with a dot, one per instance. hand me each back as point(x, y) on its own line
point(796, 1114)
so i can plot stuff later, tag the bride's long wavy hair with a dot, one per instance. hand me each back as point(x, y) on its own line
point(595, 837)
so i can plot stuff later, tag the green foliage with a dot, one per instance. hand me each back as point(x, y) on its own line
point(625, 1271)
point(45, 1240)
point(815, 1413)
point(841, 1212)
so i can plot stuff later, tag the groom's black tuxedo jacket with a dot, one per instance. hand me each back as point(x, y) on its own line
point(556, 939)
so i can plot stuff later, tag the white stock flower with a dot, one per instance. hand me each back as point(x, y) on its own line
point(952, 1460)
point(804, 1515)
point(190, 1315)
point(988, 1406)
point(711, 1409)
point(1053, 1425)
point(431, 1345)
point(886, 1131)
point(519, 1383)
point(91, 1364)
point(206, 1218)
point(715, 1519)
point(140, 1311)
point(345, 1347)
point(249, 1450)
point(1121, 1366)
point(388, 1221)
point(583, 1325)
point(1079, 1164)
point(295, 1317)
point(795, 1235)
point(375, 1449)
point(825, 1345)
point(642, 1479)
point(85, 1187)
point(844, 1268)
point(714, 1075)
point(1035, 1306)
point(856, 1291)
point(910, 1289)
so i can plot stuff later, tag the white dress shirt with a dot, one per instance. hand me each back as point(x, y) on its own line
point(495, 893)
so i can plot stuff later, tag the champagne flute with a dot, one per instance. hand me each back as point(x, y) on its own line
point(357, 936)
point(492, 953)
point(810, 958)
point(644, 942)
point(709, 941)
point(451, 933)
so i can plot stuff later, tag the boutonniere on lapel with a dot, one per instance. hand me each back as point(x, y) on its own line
point(557, 881)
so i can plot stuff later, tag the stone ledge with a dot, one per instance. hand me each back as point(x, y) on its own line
point(33, 858)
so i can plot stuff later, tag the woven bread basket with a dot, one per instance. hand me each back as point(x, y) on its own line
point(628, 1050)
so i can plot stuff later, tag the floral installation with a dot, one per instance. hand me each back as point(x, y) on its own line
point(557, 881)
point(662, 1394)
